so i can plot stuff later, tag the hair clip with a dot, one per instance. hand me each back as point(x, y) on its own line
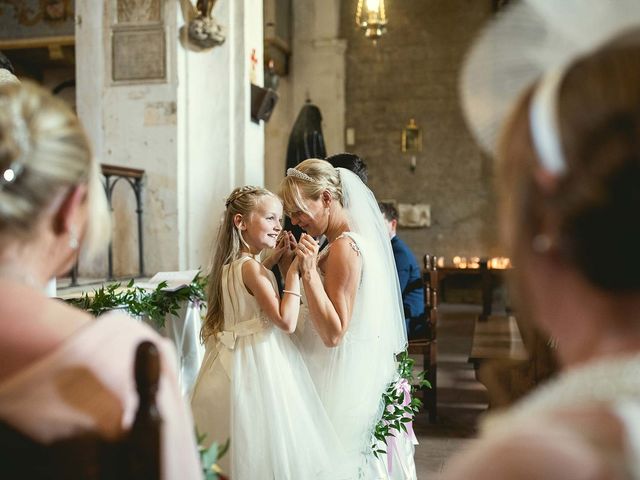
point(292, 172)
point(10, 174)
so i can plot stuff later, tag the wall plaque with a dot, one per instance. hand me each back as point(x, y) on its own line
point(138, 55)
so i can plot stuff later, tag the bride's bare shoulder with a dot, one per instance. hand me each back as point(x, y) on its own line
point(346, 244)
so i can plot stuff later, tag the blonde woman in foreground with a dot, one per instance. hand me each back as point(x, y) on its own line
point(64, 372)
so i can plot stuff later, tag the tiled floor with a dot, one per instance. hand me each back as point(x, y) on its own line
point(461, 399)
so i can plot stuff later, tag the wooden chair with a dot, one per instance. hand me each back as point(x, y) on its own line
point(428, 346)
point(88, 456)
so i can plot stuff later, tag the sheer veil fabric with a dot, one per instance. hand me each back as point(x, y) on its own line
point(352, 377)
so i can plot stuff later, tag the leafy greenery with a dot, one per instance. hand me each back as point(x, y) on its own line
point(396, 415)
point(209, 457)
point(154, 304)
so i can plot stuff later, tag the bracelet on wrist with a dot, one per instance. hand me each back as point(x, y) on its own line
point(292, 293)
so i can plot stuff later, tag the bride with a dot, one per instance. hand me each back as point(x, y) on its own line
point(355, 323)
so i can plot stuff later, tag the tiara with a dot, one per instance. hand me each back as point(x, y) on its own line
point(292, 172)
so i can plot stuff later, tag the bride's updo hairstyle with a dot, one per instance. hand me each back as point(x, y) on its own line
point(314, 177)
point(43, 152)
point(589, 215)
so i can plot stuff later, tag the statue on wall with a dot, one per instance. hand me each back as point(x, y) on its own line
point(201, 31)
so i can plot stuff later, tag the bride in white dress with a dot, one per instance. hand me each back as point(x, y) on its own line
point(355, 323)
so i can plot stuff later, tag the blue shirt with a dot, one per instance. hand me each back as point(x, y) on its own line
point(410, 278)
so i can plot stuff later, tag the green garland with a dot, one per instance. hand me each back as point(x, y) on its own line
point(209, 457)
point(396, 415)
point(154, 304)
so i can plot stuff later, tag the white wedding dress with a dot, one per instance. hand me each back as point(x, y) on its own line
point(352, 377)
point(254, 385)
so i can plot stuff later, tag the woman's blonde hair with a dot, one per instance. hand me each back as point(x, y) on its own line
point(322, 176)
point(227, 248)
point(43, 151)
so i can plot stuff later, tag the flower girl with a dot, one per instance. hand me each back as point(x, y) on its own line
point(253, 385)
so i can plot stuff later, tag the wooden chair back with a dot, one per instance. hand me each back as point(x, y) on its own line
point(88, 456)
point(430, 284)
point(427, 345)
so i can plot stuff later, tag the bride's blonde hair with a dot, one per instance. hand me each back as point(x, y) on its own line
point(295, 188)
point(226, 249)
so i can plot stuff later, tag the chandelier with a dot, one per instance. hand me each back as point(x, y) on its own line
point(371, 17)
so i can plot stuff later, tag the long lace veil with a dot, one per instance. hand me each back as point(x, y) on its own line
point(377, 330)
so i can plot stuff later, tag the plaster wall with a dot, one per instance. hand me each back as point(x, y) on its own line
point(192, 133)
point(317, 72)
point(219, 147)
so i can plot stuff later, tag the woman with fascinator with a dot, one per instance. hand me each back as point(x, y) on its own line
point(353, 325)
point(569, 175)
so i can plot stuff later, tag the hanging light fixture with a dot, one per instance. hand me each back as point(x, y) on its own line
point(371, 17)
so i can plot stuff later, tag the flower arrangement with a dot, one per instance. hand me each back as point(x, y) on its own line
point(400, 406)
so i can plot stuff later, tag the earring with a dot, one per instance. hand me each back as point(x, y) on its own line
point(73, 238)
point(541, 243)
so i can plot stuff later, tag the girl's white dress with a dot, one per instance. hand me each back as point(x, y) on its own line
point(254, 387)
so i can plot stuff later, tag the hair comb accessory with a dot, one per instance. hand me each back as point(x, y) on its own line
point(292, 172)
point(10, 174)
point(531, 40)
point(21, 137)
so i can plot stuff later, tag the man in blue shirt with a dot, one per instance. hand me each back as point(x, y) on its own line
point(409, 274)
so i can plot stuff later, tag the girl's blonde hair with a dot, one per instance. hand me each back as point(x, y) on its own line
point(323, 176)
point(226, 249)
point(43, 151)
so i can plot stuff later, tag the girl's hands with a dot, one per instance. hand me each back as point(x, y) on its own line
point(286, 247)
point(307, 253)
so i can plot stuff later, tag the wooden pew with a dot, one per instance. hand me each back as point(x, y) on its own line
point(427, 347)
point(88, 456)
point(511, 358)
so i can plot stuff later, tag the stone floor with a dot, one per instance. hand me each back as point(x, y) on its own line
point(461, 399)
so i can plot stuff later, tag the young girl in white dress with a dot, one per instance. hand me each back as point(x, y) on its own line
point(253, 385)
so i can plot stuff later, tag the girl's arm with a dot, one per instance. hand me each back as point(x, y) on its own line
point(330, 305)
point(284, 314)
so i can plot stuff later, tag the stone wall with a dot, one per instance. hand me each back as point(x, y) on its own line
point(413, 73)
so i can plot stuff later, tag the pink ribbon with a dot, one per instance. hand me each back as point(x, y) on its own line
point(403, 386)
